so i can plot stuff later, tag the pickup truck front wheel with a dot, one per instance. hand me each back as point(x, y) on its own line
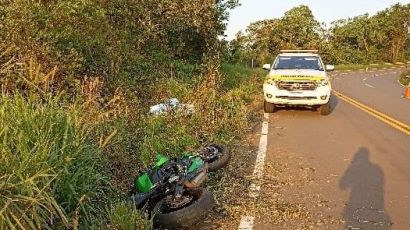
point(269, 107)
point(325, 109)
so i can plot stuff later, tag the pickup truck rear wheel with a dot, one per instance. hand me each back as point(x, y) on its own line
point(325, 109)
point(269, 107)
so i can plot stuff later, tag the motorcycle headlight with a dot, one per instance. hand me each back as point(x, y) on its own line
point(324, 82)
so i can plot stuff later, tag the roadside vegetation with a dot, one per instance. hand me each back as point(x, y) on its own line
point(405, 78)
point(362, 40)
point(363, 66)
point(77, 79)
point(51, 172)
point(69, 163)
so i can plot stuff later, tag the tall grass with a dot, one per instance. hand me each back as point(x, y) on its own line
point(234, 75)
point(62, 156)
point(125, 217)
point(170, 135)
point(50, 175)
point(222, 120)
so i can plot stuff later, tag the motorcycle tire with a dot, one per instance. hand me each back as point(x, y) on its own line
point(186, 216)
point(220, 162)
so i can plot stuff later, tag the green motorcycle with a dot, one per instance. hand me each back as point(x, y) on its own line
point(171, 189)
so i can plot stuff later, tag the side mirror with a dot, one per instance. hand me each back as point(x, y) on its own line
point(266, 67)
point(330, 67)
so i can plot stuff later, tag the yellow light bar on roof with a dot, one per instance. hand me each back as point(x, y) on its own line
point(299, 51)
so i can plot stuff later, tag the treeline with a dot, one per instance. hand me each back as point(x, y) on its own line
point(364, 39)
point(128, 43)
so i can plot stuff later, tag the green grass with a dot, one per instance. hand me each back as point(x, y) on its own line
point(50, 172)
point(125, 217)
point(174, 133)
point(234, 75)
point(170, 135)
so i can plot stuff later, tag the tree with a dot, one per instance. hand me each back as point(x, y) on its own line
point(121, 41)
point(297, 29)
point(366, 39)
point(360, 40)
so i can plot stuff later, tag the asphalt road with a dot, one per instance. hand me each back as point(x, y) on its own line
point(378, 89)
point(347, 170)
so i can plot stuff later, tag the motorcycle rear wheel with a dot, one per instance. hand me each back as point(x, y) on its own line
point(187, 215)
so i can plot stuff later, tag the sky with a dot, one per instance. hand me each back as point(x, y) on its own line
point(324, 10)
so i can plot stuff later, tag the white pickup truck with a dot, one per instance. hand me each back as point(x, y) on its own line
point(297, 78)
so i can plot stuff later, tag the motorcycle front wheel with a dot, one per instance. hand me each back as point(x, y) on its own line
point(168, 215)
point(217, 156)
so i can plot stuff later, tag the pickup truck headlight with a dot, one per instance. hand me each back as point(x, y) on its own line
point(324, 82)
point(270, 82)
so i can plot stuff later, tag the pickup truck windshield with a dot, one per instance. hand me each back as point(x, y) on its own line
point(298, 62)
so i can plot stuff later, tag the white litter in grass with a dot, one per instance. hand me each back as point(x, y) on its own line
point(172, 105)
point(246, 223)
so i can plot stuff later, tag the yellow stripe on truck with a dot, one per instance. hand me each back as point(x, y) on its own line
point(293, 77)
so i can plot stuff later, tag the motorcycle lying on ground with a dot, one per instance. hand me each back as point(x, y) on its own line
point(170, 191)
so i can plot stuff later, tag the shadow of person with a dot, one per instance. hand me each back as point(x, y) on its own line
point(365, 208)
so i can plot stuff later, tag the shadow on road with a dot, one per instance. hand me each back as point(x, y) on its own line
point(365, 208)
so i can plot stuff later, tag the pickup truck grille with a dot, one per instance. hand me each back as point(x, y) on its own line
point(297, 85)
point(296, 98)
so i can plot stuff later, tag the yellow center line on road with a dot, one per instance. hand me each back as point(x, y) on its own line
point(381, 116)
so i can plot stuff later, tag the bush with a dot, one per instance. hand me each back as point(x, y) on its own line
point(50, 172)
point(405, 78)
point(234, 75)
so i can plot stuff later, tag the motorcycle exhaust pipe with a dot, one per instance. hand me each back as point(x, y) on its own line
point(197, 181)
